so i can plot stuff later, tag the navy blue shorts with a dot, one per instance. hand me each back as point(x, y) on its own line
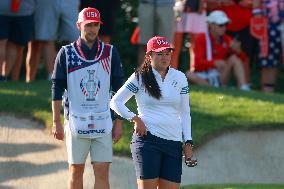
point(155, 157)
point(17, 29)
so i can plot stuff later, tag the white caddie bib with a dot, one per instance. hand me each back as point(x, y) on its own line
point(88, 92)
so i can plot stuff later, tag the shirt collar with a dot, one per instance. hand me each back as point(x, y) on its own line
point(89, 53)
point(85, 47)
point(158, 76)
point(213, 40)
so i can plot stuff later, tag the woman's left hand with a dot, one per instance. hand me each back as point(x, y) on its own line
point(187, 151)
point(188, 155)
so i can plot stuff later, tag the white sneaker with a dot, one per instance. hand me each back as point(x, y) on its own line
point(245, 87)
point(49, 77)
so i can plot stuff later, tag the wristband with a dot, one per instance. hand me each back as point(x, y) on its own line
point(189, 142)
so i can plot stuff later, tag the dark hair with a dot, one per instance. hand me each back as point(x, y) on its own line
point(148, 78)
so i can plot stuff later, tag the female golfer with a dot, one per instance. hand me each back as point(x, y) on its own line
point(163, 121)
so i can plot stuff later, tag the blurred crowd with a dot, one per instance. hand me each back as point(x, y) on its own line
point(226, 36)
point(36, 25)
point(237, 34)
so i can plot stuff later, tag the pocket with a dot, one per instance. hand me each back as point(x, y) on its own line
point(136, 138)
point(136, 146)
point(133, 138)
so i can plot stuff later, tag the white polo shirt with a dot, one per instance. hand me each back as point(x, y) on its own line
point(168, 117)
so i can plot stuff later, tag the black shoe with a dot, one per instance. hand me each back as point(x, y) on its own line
point(3, 78)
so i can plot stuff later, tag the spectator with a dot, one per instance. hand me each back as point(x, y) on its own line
point(216, 55)
point(108, 10)
point(239, 13)
point(266, 24)
point(155, 17)
point(15, 72)
point(281, 7)
point(87, 70)
point(16, 19)
point(53, 20)
point(191, 21)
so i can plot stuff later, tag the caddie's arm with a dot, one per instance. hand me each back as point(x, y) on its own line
point(57, 128)
point(117, 76)
point(59, 84)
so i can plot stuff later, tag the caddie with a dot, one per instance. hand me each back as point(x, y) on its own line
point(85, 73)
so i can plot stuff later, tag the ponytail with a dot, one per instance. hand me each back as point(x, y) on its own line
point(148, 78)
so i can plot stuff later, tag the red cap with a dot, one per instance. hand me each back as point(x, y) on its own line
point(158, 44)
point(88, 15)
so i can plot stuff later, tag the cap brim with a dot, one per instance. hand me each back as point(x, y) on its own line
point(91, 21)
point(220, 21)
point(223, 21)
point(162, 48)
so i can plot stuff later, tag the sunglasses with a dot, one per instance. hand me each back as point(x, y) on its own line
point(222, 25)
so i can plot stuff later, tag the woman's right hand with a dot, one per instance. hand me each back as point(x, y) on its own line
point(139, 126)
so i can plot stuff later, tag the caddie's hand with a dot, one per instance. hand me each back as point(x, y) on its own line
point(117, 130)
point(58, 131)
point(139, 126)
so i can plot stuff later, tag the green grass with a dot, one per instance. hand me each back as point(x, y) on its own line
point(32, 100)
point(213, 111)
point(235, 186)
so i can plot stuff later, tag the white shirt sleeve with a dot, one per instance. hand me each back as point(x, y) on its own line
point(185, 111)
point(118, 101)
